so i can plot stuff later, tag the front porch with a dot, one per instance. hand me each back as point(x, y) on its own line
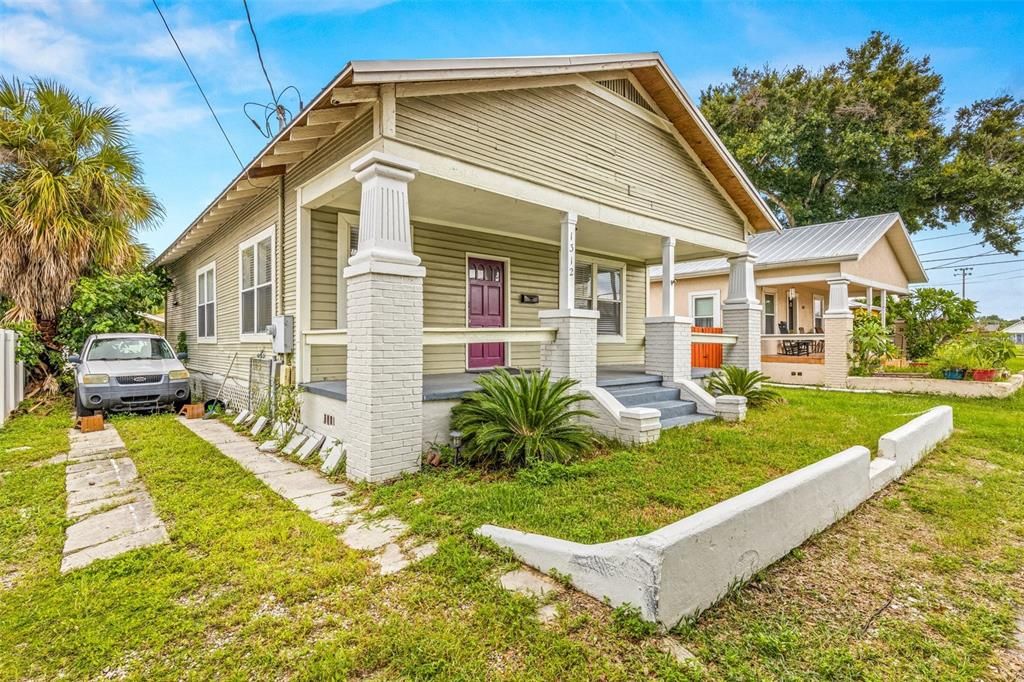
point(408, 289)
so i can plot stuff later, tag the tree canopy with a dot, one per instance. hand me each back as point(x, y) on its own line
point(71, 198)
point(866, 136)
point(932, 317)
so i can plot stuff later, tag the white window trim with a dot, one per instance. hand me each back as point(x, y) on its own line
point(345, 224)
point(716, 296)
point(764, 311)
point(252, 241)
point(621, 267)
point(211, 268)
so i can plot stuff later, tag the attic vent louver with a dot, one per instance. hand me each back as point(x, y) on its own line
point(623, 87)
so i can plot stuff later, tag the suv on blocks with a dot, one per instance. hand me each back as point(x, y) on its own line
point(128, 373)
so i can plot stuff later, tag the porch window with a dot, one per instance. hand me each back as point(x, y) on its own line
point(769, 313)
point(600, 287)
point(819, 313)
point(704, 311)
point(206, 301)
point(257, 285)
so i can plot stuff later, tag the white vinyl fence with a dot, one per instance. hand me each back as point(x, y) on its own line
point(12, 375)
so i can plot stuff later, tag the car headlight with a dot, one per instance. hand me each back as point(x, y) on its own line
point(95, 379)
point(177, 374)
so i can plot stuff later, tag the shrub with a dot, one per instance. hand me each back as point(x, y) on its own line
point(871, 344)
point(953, 355)
point(748, 383)
point(517, 420)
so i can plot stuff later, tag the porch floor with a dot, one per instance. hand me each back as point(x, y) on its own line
point(454, 385)
point(812, 359)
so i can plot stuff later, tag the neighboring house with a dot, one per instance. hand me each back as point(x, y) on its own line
point(1016, 332)
point(805, 276)
point(425, 220)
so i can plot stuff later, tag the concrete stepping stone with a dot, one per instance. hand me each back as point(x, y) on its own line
point(371, 535)
point(529, 583)
point(334, 460)
point(312, 444)
point(257, 428)
point(112, 511)
point(420, 552)
point(547, 614)
point(325, 449)
point(294, 444)
point(297, 483)
point(677, 651)
point(270, 446)
point(240, 417)
point(391, 559)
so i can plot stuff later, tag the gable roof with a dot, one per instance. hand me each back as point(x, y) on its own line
point(335, 106)
point(1015, 328)
point(843, 240)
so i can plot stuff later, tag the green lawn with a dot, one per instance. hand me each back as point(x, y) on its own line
point(923, 582)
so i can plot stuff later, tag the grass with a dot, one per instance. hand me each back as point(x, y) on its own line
point(924, 581)
point(249, 587)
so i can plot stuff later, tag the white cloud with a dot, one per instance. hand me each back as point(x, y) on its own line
point(32, 46)
point(273, 9)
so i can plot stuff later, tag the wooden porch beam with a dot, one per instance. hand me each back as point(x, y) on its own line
point(266, 172)
point(291, 146)
point(275, 159)
point(355, 94)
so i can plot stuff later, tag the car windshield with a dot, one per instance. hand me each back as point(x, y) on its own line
point(130, 349)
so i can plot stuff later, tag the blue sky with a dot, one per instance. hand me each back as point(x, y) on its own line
point(118, 53)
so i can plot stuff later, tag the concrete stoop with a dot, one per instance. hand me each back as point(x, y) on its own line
point(322, 499)
point(113, 511)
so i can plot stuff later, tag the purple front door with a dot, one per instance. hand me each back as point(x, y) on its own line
point(486, 309)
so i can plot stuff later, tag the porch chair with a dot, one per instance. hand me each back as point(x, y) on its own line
point(783, 329)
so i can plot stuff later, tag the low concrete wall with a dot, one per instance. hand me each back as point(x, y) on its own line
point(798, 373)
point(962, 389)
point(684, 568)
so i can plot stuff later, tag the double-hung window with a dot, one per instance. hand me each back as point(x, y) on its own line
point(704, 308)
point(206, 303)
point(256, 265)
point(769, 313)
point(600, 287)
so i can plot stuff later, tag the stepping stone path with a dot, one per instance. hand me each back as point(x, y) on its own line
point(530, 583)
point(316, 496)
point(113, 513)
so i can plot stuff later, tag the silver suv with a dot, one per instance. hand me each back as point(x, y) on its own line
point(128, 373)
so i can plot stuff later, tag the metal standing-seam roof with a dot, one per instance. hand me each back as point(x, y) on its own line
point(841, 240)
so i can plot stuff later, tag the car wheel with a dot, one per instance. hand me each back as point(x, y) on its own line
point(79, 410)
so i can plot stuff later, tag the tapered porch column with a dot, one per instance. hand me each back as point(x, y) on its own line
point(838, 328)
point(667, 341)
point(573, 353)
point(384, 282)
point(741, 315)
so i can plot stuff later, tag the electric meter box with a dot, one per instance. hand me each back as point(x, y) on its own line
point(282, 333)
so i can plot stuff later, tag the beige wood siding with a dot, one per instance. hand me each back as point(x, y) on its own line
point(222, 248)
point(327, 362)
point(573, 141)
point(533, 269)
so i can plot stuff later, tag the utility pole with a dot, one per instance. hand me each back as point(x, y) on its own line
point(963, 272)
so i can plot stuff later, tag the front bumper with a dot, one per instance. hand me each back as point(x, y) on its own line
point(114, 397)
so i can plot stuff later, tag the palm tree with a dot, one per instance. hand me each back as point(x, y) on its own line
point(71, 198)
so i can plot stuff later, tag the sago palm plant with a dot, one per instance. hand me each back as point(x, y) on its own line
point(71, 198)
point(517, 420)
point(748, 383)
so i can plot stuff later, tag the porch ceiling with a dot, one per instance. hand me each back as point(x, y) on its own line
point(443, 202)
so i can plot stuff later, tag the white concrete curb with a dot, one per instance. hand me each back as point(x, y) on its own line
point(684, 568)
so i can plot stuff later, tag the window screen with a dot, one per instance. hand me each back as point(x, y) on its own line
point(257, 286)
point(704, 311)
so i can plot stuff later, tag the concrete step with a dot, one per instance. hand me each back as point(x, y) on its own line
point(673, 408)
point(610, 382)
point(633, 395)
point(685, 420)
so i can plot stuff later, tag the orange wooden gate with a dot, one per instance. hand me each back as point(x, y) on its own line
point(707, 355)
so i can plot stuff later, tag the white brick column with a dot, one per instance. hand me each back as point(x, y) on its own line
point(667, 348)
point(741, 315)
point(573, 353)
point(384, 283)
point(838, 328)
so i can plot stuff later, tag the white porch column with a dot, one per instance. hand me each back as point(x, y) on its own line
point(668, 278)
point(573, 353)
point(885, 307)
point(567, 263)
point(838, 328)
point(741, 315)
point(384, 282)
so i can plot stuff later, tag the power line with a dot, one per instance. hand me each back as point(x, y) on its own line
point(960, 258)
point(955, 248)
point(259, 54)
point(945, 236)
point(963, 272)
point(997, 262)
point(196, 81)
